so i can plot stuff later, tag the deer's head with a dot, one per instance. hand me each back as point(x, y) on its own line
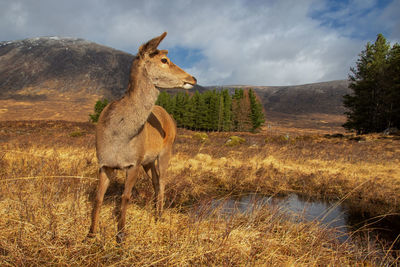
point(162, 72)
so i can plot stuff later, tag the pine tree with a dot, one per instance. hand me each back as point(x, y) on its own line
point(241, 111)
point(227, 115)
point(236, 109)
point(257, 115)
point(171, 107)
point(220, 108)
point(245, 113)
point(179, 111)
point(200, 111)
point(370, 106)
point(392, 97)
point(212, 110)
point(161, 100)
point(187, 119)
point(165, 100)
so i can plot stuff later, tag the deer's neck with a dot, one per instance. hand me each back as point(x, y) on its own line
point(140, 98)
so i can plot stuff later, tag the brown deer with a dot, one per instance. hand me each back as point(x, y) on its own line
point(132, 132)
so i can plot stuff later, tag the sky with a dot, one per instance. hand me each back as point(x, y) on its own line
point(221, 42)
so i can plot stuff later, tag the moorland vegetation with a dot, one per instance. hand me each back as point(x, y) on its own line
point(48, 179)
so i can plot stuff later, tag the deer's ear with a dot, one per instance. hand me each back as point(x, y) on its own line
point(151, 46)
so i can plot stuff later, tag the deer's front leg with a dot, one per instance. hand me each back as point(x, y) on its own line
point(104, 181)
point(131, 178)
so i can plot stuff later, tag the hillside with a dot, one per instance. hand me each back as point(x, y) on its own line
point(324, 97)
point(61, 78)
point(58, 78)
point(63, 64)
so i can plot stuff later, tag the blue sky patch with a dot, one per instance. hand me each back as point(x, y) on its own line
point(352, 19)
point(184, 57)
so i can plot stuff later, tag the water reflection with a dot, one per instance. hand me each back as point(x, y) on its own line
point(330, 215)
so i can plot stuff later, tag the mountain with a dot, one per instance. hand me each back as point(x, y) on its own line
point(62, 78)
point(62, 64)
point(324, 97)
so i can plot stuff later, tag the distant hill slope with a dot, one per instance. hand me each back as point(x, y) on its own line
point(62, 64)
point(324, 97)
point(61, 78)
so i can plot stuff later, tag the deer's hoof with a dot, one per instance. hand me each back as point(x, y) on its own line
point(120, 237)
point(90, 236)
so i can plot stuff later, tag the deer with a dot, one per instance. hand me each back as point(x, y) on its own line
point(134, 133)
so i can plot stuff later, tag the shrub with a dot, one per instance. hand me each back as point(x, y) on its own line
point(203, 137)
point(234, 141)
point(278, 139)
point(336, 135)
point(76, 134)
point(98, 108)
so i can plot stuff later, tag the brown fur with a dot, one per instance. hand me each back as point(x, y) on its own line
point(132, 132)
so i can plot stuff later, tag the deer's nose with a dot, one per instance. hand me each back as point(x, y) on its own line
point(195, 80)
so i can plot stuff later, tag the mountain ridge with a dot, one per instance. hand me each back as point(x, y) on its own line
point(54, 73)
point(321, 97)
point(65, 64)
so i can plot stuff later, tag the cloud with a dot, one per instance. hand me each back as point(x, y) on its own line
point(231, 42)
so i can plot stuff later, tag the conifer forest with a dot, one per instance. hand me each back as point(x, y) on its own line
point(215, 110)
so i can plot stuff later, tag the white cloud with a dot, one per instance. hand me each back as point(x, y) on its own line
point(242, 42)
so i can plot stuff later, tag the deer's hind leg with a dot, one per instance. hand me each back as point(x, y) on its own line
point(156, 184)
point(158, 190)
point(158, 174)
point(104, 180)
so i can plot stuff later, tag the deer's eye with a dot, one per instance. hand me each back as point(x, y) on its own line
point(164, 60)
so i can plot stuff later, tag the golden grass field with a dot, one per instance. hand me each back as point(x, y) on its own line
point(48, 178)
point(42, 104)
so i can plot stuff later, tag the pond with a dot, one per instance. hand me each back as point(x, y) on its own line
point(349, 224)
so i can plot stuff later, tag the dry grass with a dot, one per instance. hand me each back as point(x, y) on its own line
point(366, 173)
point(48, 175)
point(41, 104)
